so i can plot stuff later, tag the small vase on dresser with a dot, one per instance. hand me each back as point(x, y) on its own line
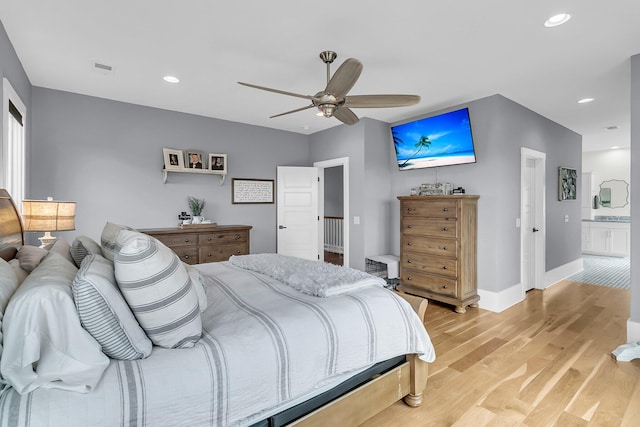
point(438, 247)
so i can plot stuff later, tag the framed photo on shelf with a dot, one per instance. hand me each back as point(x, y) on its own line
point(218, 163)
point(567, 183)
point(194, 159)
point(173, 159)
point(251, 190)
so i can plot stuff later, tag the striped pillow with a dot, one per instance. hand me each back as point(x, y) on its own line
point(105, 314)
point(158, 289)
point(83, 246)
point(108, 239)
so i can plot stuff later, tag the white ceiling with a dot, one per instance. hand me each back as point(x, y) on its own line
point(446, 52)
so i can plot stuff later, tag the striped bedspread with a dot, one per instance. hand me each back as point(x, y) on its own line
point(265, 347)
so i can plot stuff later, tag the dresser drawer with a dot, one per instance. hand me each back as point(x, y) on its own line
point(440, 227)
point(222, 237)
point(433, 209)
point(437, 265)
point(188, 254)
point(429, 282)
point(222, 252)
point(440, 247)
point(172, 240)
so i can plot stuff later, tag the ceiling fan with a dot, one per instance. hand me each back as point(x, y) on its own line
point(333, 100)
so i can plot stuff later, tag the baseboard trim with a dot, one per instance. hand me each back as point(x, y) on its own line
point(558, 274)
point(633, 331)
point(500, 301)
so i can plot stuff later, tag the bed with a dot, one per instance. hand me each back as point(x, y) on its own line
point(268, 354)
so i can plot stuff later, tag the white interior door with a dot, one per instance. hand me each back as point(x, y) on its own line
point(298, 212)
point(532, 252)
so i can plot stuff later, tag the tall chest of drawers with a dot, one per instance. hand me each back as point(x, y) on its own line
point(213, 244)
point(438, 245)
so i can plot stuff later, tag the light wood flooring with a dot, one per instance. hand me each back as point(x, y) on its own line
point(544, 362)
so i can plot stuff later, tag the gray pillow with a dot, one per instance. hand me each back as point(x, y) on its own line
point(8, 285)
point(62, 247)
point(30, 257)
point(83, 246)
point(105, 314)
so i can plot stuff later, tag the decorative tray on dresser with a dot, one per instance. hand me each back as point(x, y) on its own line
point(202, 243)
point(438, 244)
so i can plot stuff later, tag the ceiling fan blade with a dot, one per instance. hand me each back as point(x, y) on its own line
point(380, 101)
point(346, 116)
point(293, 111)
point(268, 89)
point(344, 78)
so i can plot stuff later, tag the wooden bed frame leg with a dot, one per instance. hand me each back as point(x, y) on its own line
point(419, 372)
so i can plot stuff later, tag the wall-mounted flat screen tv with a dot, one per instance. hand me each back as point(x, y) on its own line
point(440, 140)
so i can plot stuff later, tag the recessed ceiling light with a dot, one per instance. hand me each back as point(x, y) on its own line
point(614, 127)
point(615, 147)
point(171, 79)
point(585, 100)
point(556, 20)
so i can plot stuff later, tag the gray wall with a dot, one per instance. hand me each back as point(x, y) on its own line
point(346, 141)
point(500, 128)
point(635, 189)
point(333, 191)
point(11, 69)
point(107, 156)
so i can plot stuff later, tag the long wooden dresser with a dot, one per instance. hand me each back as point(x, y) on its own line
point(206, 244)
point(438, 244)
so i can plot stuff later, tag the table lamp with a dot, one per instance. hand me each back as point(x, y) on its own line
point(47, 216)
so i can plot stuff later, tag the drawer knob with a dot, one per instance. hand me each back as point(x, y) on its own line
point(409, 243)
point(209, 238)
point(410, 210)
point(409, 261)
point(445, 228)
point(445, 248)
point(445, 209)
point(237, 237)
point(209, 254)
point(186, 257)
point(186, 240)
point(238, 252)
point(445, 286)
point(409, 278)
point(409, 226)
point(444, 267)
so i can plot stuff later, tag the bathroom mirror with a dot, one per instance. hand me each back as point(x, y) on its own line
point(614, 193)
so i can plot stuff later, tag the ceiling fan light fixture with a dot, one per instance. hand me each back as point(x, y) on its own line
point(327, 109)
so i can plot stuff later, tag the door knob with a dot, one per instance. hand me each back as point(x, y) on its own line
point(535, 229)
point(280, 227)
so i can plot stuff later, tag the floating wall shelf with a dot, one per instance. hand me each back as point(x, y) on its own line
point(165, 173)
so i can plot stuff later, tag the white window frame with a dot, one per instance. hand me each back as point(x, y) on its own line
point(12, 157)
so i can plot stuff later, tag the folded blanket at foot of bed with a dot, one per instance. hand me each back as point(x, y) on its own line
point(310, 277)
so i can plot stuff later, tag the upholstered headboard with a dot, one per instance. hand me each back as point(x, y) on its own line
point(11, 235)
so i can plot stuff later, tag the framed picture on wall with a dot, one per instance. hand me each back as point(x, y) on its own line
point(218, 163)
point(252, 190)
point(194, 159)
point(173, 159)
point(567, 183)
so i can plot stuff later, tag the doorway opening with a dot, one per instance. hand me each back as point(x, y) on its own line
point(334, 209)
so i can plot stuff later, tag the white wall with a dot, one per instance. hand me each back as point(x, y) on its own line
point(606, 165)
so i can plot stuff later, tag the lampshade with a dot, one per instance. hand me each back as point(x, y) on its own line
point(48, 215)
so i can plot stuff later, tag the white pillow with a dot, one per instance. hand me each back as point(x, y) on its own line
point(158, 289)
point(83, 246)
point(108, 239)
point(198, 285)
point(62, 247)
point(8, 285)
point(20, 272)
point(105, 314)
point(44, 343)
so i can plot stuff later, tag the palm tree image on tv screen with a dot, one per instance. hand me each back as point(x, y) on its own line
point(441, 140)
